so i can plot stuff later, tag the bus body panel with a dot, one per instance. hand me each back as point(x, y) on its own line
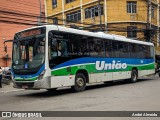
point(98, 69)
point(121, 75)
point(62, 81)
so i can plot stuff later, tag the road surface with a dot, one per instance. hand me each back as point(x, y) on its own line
point(121, 96)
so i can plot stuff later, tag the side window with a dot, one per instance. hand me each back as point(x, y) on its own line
point(84, 46)
point(126, 50)
point(120, 49)
point(108, 48)
point(79, 45)
point(63, 47)
point(96, 47)
point(75, 41)
point(115, 49)
point(99, 47)
point(92, 51)
point(140, 52)
point(133, 48)
point(58, 45)
point(146, 51)
point(58, 48)
point(55, 48)
point(123, 50)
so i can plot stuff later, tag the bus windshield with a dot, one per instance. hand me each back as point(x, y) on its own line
point(28, 53)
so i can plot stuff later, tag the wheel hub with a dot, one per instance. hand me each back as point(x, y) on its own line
point(134, 76)
point(80, 82)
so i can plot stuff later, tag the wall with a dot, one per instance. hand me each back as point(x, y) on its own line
point(12, 21)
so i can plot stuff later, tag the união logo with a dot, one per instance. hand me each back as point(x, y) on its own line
point(102, 65)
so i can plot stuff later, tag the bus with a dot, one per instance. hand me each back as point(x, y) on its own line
point(50, 56)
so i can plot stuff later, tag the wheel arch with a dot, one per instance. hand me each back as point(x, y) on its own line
point(85, 73)
point(135, 68)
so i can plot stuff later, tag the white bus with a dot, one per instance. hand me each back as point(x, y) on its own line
point(48, 57)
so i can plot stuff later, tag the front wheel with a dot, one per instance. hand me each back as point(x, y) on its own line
point(134, 76)
point(80, 83)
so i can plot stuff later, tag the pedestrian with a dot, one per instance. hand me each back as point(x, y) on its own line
point(0, 77)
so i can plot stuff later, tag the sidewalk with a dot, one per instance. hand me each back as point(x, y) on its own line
point(8, 88)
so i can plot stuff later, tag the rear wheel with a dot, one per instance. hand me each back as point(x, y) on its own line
point(80, 82)
point(134, 76)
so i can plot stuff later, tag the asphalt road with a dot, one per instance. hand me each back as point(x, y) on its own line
point(121, 96)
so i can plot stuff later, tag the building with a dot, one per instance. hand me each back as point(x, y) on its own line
point(136, 19)
point(16, 15)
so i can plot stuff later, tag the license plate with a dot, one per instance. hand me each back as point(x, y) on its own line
point(24, 87)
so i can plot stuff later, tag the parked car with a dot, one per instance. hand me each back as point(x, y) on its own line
point(7, 73)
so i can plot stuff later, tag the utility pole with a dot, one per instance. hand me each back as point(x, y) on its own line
point(99, 12)
point(148, 29)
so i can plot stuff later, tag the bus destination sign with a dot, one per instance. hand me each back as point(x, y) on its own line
point(30, 33)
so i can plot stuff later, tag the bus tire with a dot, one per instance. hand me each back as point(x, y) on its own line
point(80, 82)
point(134, 76)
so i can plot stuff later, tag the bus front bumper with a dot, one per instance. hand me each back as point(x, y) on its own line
point(44, 83)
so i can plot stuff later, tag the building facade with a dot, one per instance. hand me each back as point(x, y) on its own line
point(136, 19)
point(15, 16)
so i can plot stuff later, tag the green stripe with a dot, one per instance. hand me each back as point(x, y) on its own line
point(91, 69)
point(26, 79)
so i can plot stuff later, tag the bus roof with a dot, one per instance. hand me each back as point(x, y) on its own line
point(93, 34)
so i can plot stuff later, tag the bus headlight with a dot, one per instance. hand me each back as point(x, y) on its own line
point(41, 75)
